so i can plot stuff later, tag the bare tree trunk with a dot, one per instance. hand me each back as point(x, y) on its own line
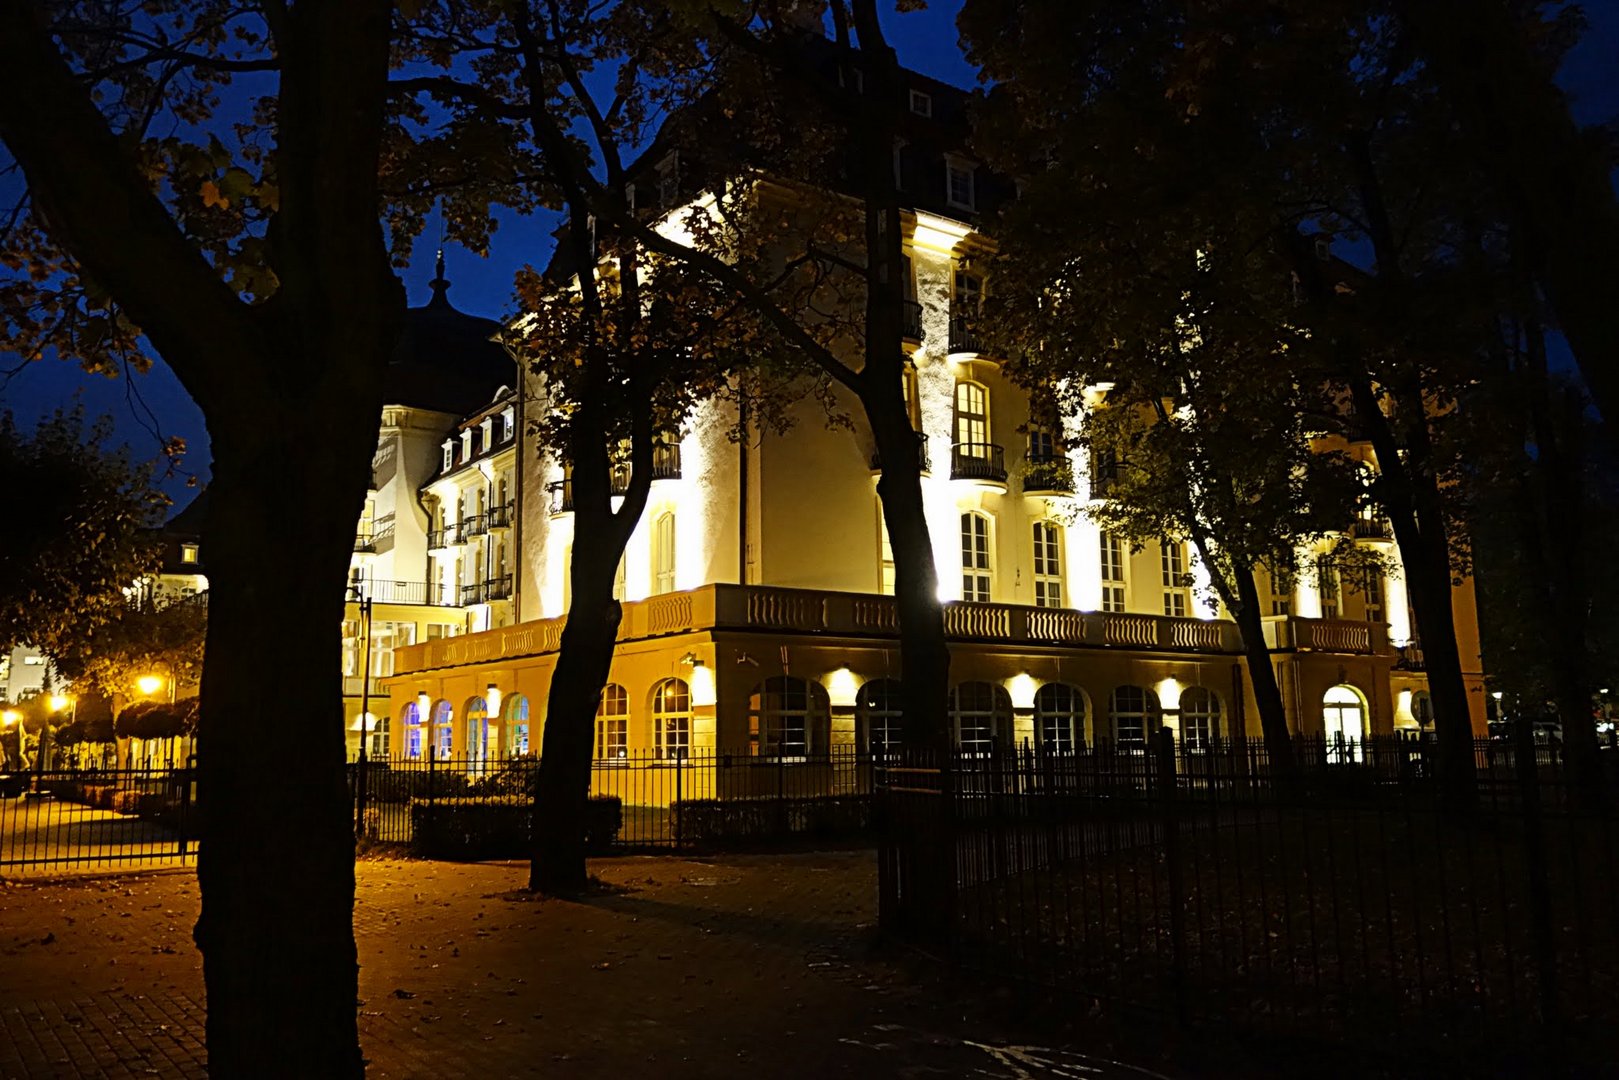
point(1261, 673)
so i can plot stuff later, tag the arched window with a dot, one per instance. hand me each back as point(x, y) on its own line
point(443, 731)
point(517, 742)
point(1059, 717)
point(787, 718)
point(1200, 718)
point(982, 715)
point(380, 742)
point(881, 711)
point(1343, 721)
point(476, 712)
point(613, 724)
point(663, 554)
point(975, 572)
point(410, 719)
point(671, 720)
point(1134, 710)
point(1047, 564)
point(971, 429)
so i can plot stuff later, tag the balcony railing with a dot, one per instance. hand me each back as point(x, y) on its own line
point(424, 593)
point(484, 592)
point(1372, 528)
point(910, 321)
point(922, 460)
point(476, 525)
point(665, 461)
point(1048, 472)
point(374, 537)
point(964, 335)
point(561, 495)
point(365, 540)
point(500, 517)
point(978, 461)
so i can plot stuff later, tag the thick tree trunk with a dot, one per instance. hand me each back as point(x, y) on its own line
point(924, 654)
point(583, 663)
point(276, 859)
point(1262, 675)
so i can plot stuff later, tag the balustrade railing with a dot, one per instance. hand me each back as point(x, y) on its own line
point(978, 461)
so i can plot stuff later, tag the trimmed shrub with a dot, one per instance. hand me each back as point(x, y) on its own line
point(724, 821)
point(469, 829)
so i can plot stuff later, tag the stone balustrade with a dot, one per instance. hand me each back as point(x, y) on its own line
point(839, 614)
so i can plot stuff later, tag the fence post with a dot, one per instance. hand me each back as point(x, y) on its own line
point(1540, 900)
point(1177, 915)
point(185, 803)
point(679, 798)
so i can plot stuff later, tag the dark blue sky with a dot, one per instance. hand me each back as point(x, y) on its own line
point(926, 42)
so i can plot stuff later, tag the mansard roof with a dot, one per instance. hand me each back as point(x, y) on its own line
point(446, 359)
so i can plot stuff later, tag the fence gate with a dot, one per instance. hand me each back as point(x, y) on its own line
point(56, 820)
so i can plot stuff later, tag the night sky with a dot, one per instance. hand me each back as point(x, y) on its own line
point(926, 42)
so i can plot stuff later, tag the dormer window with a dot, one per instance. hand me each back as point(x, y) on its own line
point(466, 445)
point(921, 104)
point(958, 184)
point(489, 432)
point(449, 454)
point(188, 553)
point(508, 423)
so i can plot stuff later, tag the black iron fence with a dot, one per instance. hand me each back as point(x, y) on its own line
point(482, 807)
point(78, 818)
point(1349, 902)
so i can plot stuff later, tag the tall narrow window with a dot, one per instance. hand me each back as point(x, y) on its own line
point(1200, 718)
point(971, 431)
point(1280, 572)
point(613, 724)
point(881, 707)
point(975, 572)
point(671, 720)
point(982, 713)
point(967, 296)
point(1374, 595)
point(958, 177)
point(1326, 585)
point(1059, 717)
point(1047, 565)
point(663, 554)
point(1172, 574)
point(1112, 573)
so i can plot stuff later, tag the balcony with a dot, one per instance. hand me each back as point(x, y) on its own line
point(561, 496)
point(439, 539)
point(365, 541)
point(375, 537)
point(500, 517)
point(665, 461)
point(485, 592)
point(910, 322)
point(421, 593)
point(965, 339)
point(1371, 528)
point(1048, 474)
point(476, 525)
point(922, 461)
point(985, 462)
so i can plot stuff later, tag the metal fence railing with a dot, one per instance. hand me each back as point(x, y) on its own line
point(1349, 903)
point(702, 799)
point(97, 816)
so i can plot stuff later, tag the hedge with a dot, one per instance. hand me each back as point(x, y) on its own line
point(721, 821)
point(469, 829)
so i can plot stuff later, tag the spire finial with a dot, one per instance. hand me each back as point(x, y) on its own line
point(440, 284)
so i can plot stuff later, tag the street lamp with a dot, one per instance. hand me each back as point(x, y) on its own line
point(149, 684)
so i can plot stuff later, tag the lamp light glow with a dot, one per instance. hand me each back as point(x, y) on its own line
point(703, 694)
point(491, 697)
point(58, 702)
point(1022, 687)
point(1169, 693)
point(842, 688)
point(10, 716)
point(424, 702)
point(149, 684)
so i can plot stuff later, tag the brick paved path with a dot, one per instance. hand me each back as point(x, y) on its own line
point(742, 966)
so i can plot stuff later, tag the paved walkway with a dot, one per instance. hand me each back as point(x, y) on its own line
point(727, 967)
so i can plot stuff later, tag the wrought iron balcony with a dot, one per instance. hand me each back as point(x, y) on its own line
point(964, 335)
point(922, 461)
point(1049, 472)
point(1371, 528)
point(472, 594)
point(439, 539)
point(978, 461)
point(497, 588)
point(365, 540)
point(500, 517)
point(910, 321)
point(665, 461)
point(561, 493)
point(423, 593)
point(476, 525)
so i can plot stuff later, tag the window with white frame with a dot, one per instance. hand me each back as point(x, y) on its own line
point(1113, 564)
point(1134, 712)
point(921, 103)
point(982, 714)
point(449, 455)
point(975, 572)
point(443, 728)
point(1327, 588)
point(1059, 717)
point(885, 555)
point(881, 711)
point(1047, 564)
point(516, 725)
point(671, 720)
point(410, 719)
point(1172, 576)
point(1372, 589)
point(189, 552)
point(967, 296)
point(787, 717)
point(970, 429)
point(958, 184)
point(1200, 718)
point(613, 724)
point(663, 554)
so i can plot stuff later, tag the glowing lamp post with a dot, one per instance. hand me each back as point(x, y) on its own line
point(149, 684)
